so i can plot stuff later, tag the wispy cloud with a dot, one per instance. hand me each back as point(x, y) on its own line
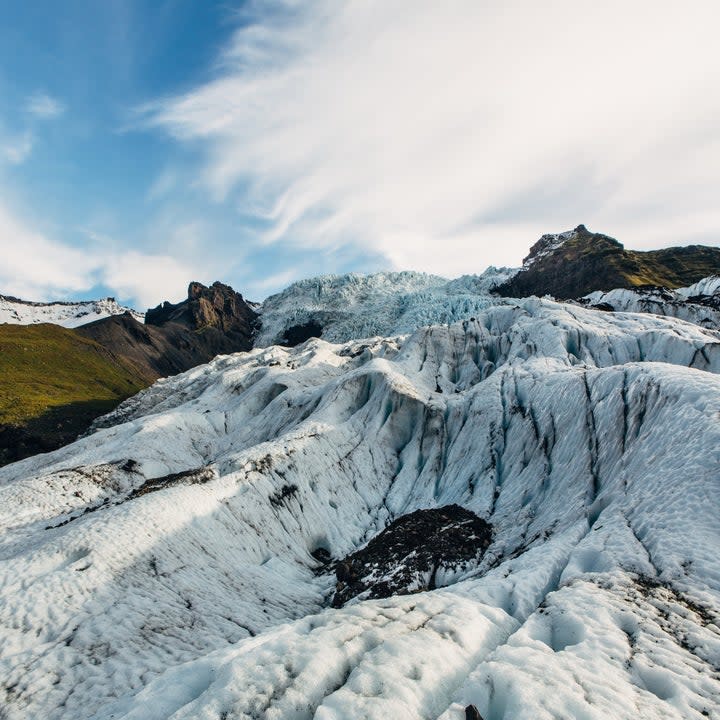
point(16, 150)
point(43, 106)
point(162, 185)
point(446, 136)
point(36, 267)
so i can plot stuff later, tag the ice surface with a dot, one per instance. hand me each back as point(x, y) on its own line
point(355, 306)
point(589, 440)
point(707, 286)
point(660, 301)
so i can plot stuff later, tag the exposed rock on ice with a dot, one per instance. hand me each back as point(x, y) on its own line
point(685, 303)
point(418, 551)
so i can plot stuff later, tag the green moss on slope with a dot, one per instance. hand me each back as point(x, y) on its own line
point(54, 383)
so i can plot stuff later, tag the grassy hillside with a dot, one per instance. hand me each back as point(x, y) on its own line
point(54, 383)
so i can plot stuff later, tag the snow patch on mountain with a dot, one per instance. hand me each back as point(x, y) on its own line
point(548, 244)
point(165, 566)
point(67, 314)
point(354, 306)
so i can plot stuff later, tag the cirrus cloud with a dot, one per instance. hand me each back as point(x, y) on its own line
point(446, 136)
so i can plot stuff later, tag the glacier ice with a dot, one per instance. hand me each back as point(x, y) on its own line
point(589, 440)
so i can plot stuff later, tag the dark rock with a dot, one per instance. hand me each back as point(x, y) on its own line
point(322, 555)
point(406, 556)
point(472, 713)
point(217, 306)
point(298, 334)
point(130, 465)
point(285, 492)
point(196, 476)
point(712, 301)
point(175, 338)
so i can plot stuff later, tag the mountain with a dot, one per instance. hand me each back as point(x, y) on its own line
point(212, 321)
point(572, 264)
point(56, 381)
point(513, 516)
point(67, 314)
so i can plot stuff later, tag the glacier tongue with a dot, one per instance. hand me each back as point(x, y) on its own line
point(164, 566)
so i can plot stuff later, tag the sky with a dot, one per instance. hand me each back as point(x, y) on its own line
point(148, 143)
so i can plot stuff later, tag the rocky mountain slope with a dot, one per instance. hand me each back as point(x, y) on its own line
point(575, 263)
point(212, 321)
point(68, 314)
point(182, 562)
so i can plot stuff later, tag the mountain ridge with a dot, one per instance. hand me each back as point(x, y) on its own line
point(68, 314)
point(217, 320)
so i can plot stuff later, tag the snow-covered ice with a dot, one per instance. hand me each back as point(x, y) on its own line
point(163, 566)
point(668, 303)
point(391, 303)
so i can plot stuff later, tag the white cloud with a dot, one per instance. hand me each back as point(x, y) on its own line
point(44, 106)
point(36, 267)
point(149, 279)
point(449, 135)
point(16, 150)
point(162, 185)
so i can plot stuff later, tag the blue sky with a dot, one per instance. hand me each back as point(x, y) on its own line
point(146, 144)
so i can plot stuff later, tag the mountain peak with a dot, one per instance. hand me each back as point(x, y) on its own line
point(577, 262)
point(217, 306)
point(551, 242)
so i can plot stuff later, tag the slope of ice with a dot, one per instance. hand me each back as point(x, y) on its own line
point(355, 306)
point(707, 286)
point(589, 440)
point(660, 301)
point(67, 314)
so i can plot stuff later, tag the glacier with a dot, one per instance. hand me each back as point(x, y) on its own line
point(165, 565)
point(698, 304)
point(353, 306)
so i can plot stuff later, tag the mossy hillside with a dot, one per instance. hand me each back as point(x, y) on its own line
point(44, 367)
